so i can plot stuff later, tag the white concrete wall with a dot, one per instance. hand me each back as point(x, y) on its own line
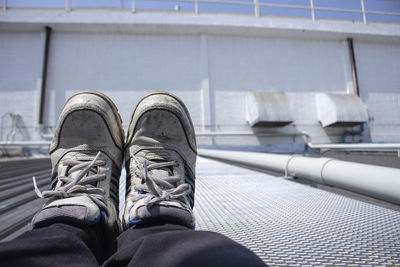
point(379, 73)
point(239, 64)
point(21, 56)
point(125, 67)
point(210, 70)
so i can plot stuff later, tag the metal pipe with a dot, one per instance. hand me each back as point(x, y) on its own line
point(363, 12)
point(45, 136)
point(133, 6)
point(382, 13)
point(68, 5)
point(284, 6)
point(15, 126)
point(24, 143)
point(196, 7)
point(307, 139)
point(363, 146)
point(256, 8)
point(353, 66)
point(305, 7)
point(211, 134)
point(44, 73)
point(352, 133)
point(375, 181)
point(273, 162)
point(312, 10)
point(250, 134)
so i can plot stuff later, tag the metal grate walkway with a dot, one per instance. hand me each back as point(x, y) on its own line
point(283, 222)
point(287, 223)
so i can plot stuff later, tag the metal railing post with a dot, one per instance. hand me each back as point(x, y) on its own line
point(363, 12)
point(196, 6)
point(312, 10)
point(256, 8)
point(257, 5)
point(133, 6)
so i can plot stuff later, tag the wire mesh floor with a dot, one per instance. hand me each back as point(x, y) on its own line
point(287, 223)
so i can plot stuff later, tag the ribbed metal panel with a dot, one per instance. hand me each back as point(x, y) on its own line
point(18, 201)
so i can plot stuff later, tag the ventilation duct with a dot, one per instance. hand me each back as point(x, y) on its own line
point(269, 109)
point(340, 110)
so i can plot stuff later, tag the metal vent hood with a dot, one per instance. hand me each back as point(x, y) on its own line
point(340, 110)
point(269, 109)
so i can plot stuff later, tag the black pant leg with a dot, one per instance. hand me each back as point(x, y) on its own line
point(175, 246)
point(55, 245)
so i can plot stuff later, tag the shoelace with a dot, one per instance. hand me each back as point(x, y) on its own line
point(79, 185)
point(160, 189)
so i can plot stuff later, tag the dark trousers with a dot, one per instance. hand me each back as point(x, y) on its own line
point(158, 245)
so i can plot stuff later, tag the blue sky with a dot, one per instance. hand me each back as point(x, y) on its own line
point(371, 5)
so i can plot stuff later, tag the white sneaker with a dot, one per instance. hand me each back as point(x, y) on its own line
point(86, 155)
point(160, 162)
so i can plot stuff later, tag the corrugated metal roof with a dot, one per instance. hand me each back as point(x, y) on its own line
point(18, 201)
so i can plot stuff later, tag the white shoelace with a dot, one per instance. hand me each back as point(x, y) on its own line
point(81, 184)
point(159, 189)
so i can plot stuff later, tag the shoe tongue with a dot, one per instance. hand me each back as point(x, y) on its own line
point(74, 174)
point(162, 172)
point(82, 158)
point(158, 157)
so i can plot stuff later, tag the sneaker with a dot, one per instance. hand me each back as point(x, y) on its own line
point(160, 162)
point(86, 155)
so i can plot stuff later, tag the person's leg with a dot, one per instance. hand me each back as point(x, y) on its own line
point(177, 246)
point(160, 163)
point(56, 245)
point(79, 219)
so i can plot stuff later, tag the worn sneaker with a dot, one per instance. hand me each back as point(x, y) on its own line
point(160, 162)
point(86, 155)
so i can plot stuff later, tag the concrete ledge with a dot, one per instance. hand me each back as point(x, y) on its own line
point(124, 20)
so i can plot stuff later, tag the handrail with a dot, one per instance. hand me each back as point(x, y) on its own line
point(307, 140)
point(24, 143)
point(256, 4)
point(306, 137)
point(350, 146)
point(240, 133)
point(14, 125)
